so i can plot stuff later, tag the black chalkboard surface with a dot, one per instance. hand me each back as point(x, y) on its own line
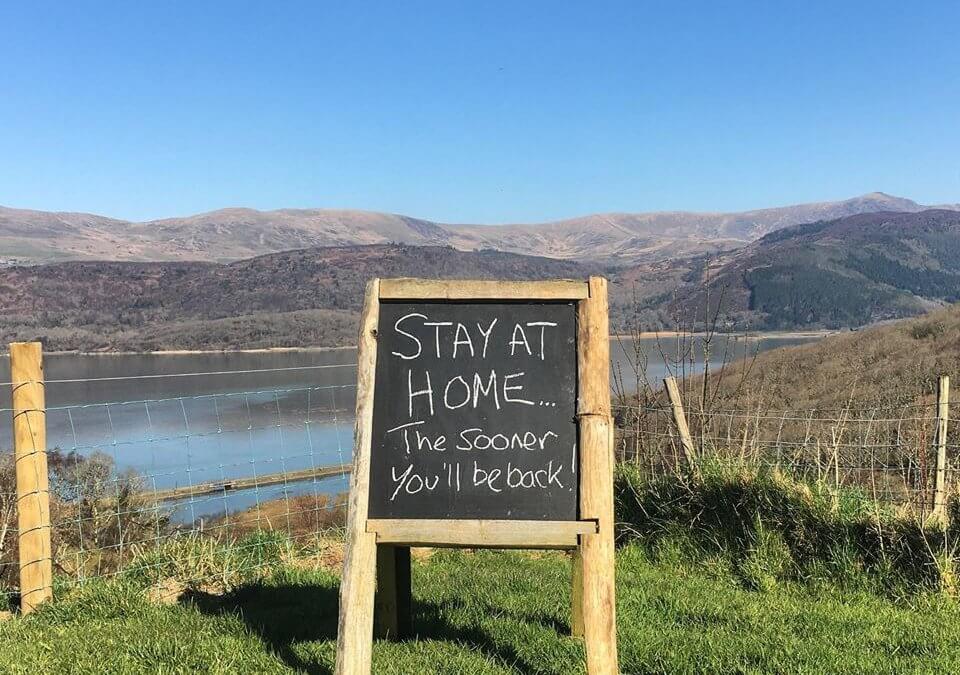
point(474, 411)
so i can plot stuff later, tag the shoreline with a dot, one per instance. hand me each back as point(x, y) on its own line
point(201, 352)
point(747, 335)
point(644, 335)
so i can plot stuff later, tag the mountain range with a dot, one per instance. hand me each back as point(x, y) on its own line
point(236, 233)
point(753, 271)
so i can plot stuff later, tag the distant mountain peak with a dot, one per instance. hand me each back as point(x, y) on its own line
point(886, 198)
point(238, 232)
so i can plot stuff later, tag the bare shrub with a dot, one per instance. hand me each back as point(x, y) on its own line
point(928, 329)
point(8, 521)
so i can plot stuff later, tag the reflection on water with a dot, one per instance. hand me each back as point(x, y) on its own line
point(249, 414)
point(657, 353)
point(174, 428)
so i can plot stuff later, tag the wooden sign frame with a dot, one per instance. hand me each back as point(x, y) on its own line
point(375, 586)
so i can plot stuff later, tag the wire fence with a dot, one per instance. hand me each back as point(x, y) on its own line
point(142, 484)
point(200, 483)
point(887, 452)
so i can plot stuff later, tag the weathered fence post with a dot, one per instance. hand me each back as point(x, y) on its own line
point(30, 453)
point(680, 419)
point(943, 418)
point(359, 579)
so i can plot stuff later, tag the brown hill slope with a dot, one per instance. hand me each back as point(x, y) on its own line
point(237, 233)
point(672, 234)
point(884, 366)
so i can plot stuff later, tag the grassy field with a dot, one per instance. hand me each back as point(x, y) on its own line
point(491, 612)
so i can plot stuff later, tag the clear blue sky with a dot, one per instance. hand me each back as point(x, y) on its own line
point(475, 112)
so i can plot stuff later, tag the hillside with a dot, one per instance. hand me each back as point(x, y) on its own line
point(844, 272)
point(888, 366)
point(307, 297)
point(835, 273)
point(237, 233)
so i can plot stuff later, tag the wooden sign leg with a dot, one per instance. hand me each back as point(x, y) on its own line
point(576, 595)
point(357, 587)
point(596, 596)
point(358, 584)
point(392, 606)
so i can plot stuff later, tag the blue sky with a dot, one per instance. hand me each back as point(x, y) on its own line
point(475, 112)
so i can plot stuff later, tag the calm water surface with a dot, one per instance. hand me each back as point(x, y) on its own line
point(245, 415)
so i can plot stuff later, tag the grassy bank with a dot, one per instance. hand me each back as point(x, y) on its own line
point(723, 570)
point(766, 528)
point(489, 613)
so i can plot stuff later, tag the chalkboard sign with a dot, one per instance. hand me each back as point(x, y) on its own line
point(475, 411)
point(483, 420)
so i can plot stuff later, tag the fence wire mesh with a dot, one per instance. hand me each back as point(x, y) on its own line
point(889, 453)
point(207, 486)
point(211, 483)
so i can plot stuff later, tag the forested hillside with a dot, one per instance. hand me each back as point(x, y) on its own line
point(296, 298)
point(838, 273)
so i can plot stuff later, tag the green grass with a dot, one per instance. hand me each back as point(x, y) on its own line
point(726, 569)
point(494, 612)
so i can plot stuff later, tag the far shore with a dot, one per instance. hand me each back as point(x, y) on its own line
point(198, 352)
point(750, 335)
point(746, 335)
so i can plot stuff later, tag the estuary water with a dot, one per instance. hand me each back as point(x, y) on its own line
point(177, 420)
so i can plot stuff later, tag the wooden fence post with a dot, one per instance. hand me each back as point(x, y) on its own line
point(594, 597)
point(943, 418)
point(680, 420)
point(358, 583)
point(33, 491)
